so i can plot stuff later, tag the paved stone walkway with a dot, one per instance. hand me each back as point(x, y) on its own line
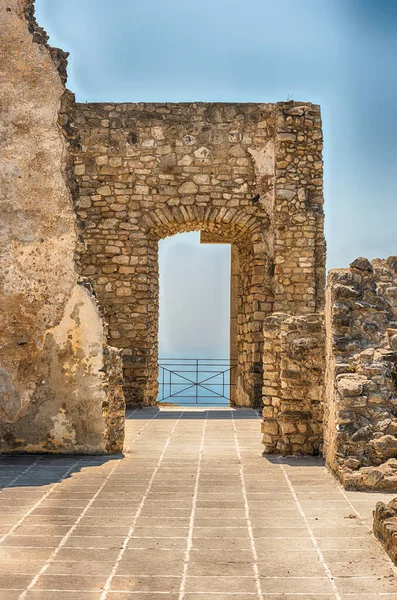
point(192, 512)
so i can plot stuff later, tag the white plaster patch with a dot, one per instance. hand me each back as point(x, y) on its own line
point(63, 430)
point(82, 328)
point(264, 158)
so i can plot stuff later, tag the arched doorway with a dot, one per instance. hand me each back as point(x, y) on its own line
point(248, 174)
point(195, 360)
point(251, 288)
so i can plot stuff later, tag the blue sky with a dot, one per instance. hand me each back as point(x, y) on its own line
point(338, 53)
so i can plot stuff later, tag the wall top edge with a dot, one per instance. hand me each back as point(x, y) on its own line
point(262, 105)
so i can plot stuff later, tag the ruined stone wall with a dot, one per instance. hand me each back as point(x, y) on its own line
point(293, 356)
point(249, 173)
point(147, 171)
point(361, 395)
point(299, 252)
point(293, 383)
point(55, 368)
point(385, 527)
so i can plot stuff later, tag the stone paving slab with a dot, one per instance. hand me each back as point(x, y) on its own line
point(191, 512)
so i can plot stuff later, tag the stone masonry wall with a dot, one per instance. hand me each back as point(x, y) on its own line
point(247, 173)
point(299, 250)
point(58, 379)
point(293, 357)
point(147, 171)
point(385, 527)
point(293, 384)
point(361, 395)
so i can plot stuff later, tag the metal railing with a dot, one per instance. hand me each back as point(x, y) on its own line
point(195, 380)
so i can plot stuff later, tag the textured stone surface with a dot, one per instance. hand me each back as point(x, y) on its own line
point(293, 383)
point(361, 399)
point(88, 190)
point(385, 526)
point(70, 410)
point(147, 171)
point(248, 174)
point(52, 387)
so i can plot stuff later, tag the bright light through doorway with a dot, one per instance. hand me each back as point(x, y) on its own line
point(194, 298)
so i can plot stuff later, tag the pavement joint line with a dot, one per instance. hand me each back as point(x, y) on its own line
point(181, 441)
point(142, 428)
point(273, 577)
point(129, 412)
point(63, 541)
point(312, 536)
point(364, 522)
point(93, 590)
point(162, 548)
point(350, 503)
point(21, 474)
point(193, 513)
point(247, 514)
point(79, 518)
point(137, 514)
point(38, 503)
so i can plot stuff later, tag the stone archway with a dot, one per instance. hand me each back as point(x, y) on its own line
point(250, 174)
point(247, 235)
point(149, 171)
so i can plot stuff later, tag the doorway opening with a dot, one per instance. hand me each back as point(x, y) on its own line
point(195, 361)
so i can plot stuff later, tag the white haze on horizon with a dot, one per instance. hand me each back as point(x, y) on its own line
point(194, 298)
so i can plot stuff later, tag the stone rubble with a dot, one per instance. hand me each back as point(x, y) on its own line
point(361, 395)
point(385, 527)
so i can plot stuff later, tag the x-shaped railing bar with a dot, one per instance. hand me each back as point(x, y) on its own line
point(194, 384)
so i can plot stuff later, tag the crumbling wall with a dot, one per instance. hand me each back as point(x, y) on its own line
point(385, 526)
point(56, 375)
point(361, 394)
point(298, 217)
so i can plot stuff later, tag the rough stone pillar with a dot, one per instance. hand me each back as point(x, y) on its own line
point(385, 527)
point(299, 245)
point(293, 383)
point(293, 355)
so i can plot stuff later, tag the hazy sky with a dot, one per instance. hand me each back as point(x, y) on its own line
point(338, 53)
point(194, 298)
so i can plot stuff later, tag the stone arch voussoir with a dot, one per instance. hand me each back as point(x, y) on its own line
point(235, 225)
